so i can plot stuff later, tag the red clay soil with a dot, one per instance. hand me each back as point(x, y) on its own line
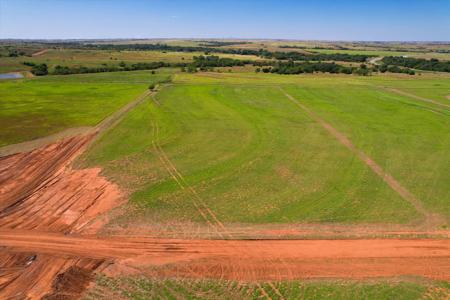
point(245, 259)
point(39, 191)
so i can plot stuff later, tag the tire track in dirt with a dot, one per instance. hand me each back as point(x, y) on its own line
point(198, 202)
point(430, 219)
point(361, 258)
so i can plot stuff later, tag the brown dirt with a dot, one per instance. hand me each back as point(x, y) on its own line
point(39, 191)
point(40, 52)
point(246, 259)
point(42, 142)
point(70, 284)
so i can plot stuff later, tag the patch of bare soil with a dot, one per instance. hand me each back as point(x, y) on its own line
point(70, 284)
point(40, 191)
point(191, 230)
point(245, 259)
point(40, 52)
point(29, 146)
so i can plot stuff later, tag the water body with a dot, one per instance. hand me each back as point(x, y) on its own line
point(11, 76)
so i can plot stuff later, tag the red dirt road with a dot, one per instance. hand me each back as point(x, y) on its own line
point(246, 259)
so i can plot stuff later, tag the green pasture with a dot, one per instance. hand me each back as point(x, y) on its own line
point(37, 107)
point(254, 156)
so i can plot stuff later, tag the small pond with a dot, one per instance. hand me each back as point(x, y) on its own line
point(11, 76)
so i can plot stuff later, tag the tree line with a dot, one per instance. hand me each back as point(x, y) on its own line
point(417, 63)
point(42, 69)
point(291, 68)
point(261, 52)
point(315, 57)
point(209, 62)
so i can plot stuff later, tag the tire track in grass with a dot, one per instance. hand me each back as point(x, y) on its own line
point(198, 202)
point(377, 169)
point(179, 179)
point(416, 97)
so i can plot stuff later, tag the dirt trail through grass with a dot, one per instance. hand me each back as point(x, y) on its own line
point(403, 93)
point(40, 52)
point(430, 219)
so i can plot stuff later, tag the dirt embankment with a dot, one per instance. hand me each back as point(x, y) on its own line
point(39, 191)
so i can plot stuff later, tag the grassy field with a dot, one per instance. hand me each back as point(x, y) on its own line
point(253, 156)
point(436, 88)
point(37, 107)
point(144, 288)
point(427, 55)
point(94, 58)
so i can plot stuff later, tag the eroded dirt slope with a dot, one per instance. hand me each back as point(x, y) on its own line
point(39, 191)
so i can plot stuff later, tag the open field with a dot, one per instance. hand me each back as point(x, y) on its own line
point(34, 108)
point(226, 185)
point(427, 55)
point(237, 138)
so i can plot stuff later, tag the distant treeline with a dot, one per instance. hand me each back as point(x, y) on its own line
point(308, 67)
point(208, 63)
point(169, 48)
point(213, 61)
point(316, 57)
point(417, 63)
point(315, 47)
point(261, 53)
point(65, 70)
point(42, 69)
point(221, 43)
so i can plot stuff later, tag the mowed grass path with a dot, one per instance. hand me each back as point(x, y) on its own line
point(254, 156)
point(33, 108)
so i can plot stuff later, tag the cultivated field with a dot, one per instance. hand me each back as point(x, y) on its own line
point(241, 139)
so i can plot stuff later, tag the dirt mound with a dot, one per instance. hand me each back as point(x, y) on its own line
point(70, 284)
point(39, 191)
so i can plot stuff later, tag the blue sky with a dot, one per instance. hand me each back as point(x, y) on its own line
point(424, 20)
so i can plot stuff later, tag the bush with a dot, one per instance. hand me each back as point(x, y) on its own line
point(39, 70)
